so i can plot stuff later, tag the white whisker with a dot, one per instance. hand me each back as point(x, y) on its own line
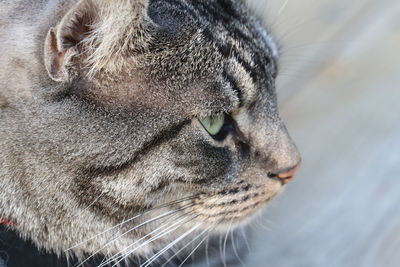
point(207, 256)
point(245, 239)
point(283, 7)
point(220, 248)
point(125, 233)
point(131, 219)
point(159, 235)
point(93, 202)
point(121, 255)
point(176, 253)
point(158, 254)
point(225, 240)
point(235, 249)
point(193, 251)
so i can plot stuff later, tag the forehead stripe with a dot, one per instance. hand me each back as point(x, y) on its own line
point(228, 50)
point(234, 85)
point(164, 136)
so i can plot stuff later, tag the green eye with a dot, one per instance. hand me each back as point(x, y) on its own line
point(213, 124)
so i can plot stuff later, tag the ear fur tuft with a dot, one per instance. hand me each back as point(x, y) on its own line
point(101, 33)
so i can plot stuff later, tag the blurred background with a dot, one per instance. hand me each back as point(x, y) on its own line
point(339, 93)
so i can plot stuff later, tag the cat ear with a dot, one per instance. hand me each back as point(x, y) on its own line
point(62, 41)
point(92, 33)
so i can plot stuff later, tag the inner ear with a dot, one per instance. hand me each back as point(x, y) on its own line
point(98, 35)
point(77, 27)
point(62, 42)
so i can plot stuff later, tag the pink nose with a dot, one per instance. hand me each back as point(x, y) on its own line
point(286, 175)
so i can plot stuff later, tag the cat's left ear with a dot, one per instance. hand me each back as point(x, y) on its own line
point(92, 33)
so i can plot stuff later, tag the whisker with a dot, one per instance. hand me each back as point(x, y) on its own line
point(220, 249)
point(158, 254)
point(245, 239)
point(173, 256)
point(135, 217)
point(103, 261)
point(122, 255)
point(93, 202)
point(298, 24)
point(225, 240)
point(260, 222)
point(207, 256)
point(193, 251)
point(283, 7)
point(235, 249)
point(153, 238)
point(132, 229)
point(159, 235)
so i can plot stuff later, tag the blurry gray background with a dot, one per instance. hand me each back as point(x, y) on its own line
point(339, 93)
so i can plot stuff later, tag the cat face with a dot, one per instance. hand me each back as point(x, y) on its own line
point(163, 110)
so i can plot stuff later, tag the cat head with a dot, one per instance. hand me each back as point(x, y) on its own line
point(161, 108)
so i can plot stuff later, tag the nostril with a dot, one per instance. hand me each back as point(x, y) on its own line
point(285, 175)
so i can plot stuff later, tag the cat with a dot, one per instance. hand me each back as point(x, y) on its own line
point(129, 126)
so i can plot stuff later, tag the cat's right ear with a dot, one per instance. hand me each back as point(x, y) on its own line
point(62, 41)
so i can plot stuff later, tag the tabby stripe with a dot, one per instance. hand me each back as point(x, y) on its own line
point(234, 85)
point(162, 137)
point(239, 33)
point(203, 13)
point(226, 6)
point(227, 50)
point(222, 12)
point(189, 9)
point(229, 18)
point(210, 12)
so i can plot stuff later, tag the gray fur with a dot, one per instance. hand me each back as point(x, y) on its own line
point(113, 139)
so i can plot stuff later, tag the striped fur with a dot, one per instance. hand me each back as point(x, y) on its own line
point(100, 123)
